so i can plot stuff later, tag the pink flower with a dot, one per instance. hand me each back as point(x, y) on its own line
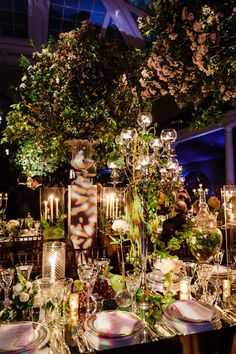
point(197, 26)
point(202, 38)
point(167, 265)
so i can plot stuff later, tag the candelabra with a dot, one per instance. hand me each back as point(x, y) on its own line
point(150, 165)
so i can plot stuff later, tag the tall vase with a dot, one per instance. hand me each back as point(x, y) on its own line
point(143, 300)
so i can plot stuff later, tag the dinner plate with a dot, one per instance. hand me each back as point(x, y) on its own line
point(41, 336)
point(219, 270)
point(170, 313)
point(114, 324)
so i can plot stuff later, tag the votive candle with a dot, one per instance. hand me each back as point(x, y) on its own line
point(185, 289)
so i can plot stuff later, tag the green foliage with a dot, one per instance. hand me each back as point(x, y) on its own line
point(86, 89)
point(55, 230)
point(193, 57)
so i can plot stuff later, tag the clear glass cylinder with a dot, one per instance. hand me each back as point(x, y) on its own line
point(54, 260)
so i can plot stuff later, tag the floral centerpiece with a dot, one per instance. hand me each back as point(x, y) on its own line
point(168, 266)
point(23, 293)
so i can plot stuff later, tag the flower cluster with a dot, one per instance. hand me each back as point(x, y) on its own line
point(167, 265)
point(120, 226)
point(24, 293)
point(193, 56)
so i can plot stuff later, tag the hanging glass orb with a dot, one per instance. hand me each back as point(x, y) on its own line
point(156, 143)
point(168, 135)
point(172, 164)
point(144, 119)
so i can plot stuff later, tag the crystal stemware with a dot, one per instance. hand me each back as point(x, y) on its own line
point(87, 275)
point(45, 287)
point(133, 281)
point(218, 258)
point(189, 269)
point(7, 276)
point(204, 272)
point(24, 269)
point(103, 264)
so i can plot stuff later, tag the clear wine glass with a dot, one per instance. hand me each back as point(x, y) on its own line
point(45, 287)
point(133, 281)
point(87, 275)
point(7, 276)
point(189, 269)
point(218, 258)
point(24, 269)
point(103, 264)
point(204, 272)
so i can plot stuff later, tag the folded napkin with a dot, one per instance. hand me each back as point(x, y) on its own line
point(190, 310)
point(16, 336)
point(115, 323)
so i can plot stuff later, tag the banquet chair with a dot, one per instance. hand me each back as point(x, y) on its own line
point(6, 255)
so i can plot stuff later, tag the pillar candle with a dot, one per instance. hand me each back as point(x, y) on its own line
point(56, 201)
point(53, 260)
point(51, 206)
point(45, 209)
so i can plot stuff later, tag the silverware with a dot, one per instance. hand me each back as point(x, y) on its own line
point(169, 327)
point(226, 316)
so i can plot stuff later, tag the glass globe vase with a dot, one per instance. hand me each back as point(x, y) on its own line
point(206, 239)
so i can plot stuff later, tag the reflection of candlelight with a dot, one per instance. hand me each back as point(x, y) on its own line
point(53, 260)
point(116, 207)
point(0, 200)
point(226, 285)
point(107, 206)
point(51, 205)
point(45, 209)
point(56, 200)
point(74, 306)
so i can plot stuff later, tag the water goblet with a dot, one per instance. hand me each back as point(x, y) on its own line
point(87, 275)
point(24, 269)
point(204, 272)
point(45, 287)
point(67, 285)
point(218, 258)
point(189, 269)
point(7, 276)
point(133, 281)
point(103, 264)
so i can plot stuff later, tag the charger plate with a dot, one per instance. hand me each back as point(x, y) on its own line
point(170, 313)
point(41, 336)
point(114, 324)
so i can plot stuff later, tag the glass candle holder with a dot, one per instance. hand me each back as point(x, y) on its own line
point(74, 306)
point(185, 288)
point(54, 260)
